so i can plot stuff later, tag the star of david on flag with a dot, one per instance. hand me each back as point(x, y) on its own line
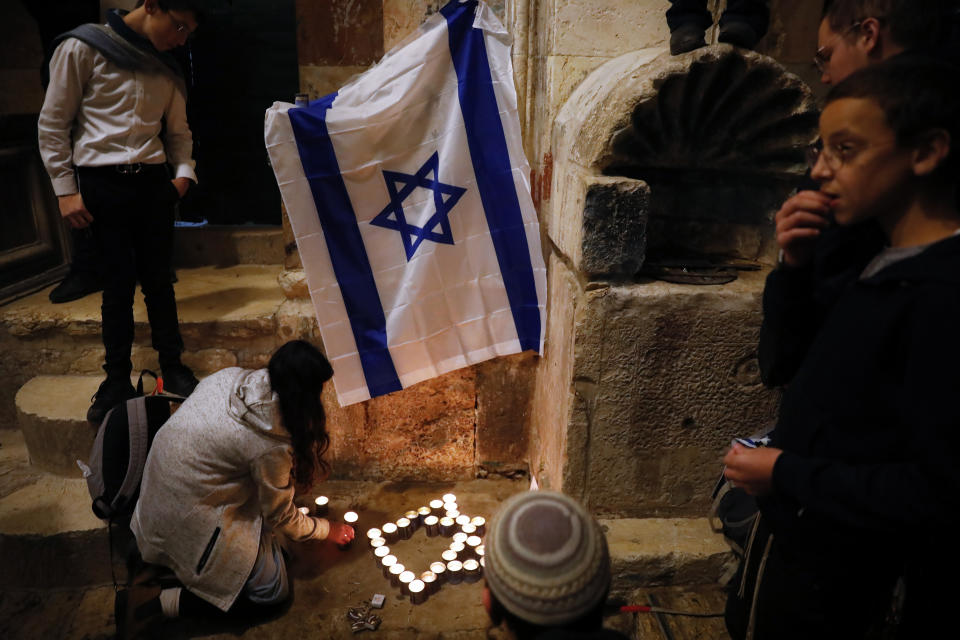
point(408, 194)
point(394, 217)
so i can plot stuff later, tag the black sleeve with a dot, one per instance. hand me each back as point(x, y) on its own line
point(790, 321)
point(922, 488)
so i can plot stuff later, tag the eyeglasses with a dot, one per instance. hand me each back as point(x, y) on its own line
point(181, 27)
point(836, 155)
point(822, 57)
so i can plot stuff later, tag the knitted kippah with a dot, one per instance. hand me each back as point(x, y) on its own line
point(546, 558)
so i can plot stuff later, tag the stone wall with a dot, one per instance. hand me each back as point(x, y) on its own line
point(481, 419)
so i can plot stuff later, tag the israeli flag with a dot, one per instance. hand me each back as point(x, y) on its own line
point(409, 196)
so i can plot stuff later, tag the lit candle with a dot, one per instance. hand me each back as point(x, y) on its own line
point(453, 514)
point(449, 497)
point(472, 543)
point(432, 524)
point(381, 552)
point(463, 519)
point(429, 579)
point(405, 579)
point(305, 510)
point(449, 556)
point(480, 523)
point(350, 518)
point(454, 572)
point(458, 548)
point(423, 512)
point(377, 543)
point(468, 529)
point(436, 507)
point(374, 533)
point(321, 506)
point(389, 530)
point(446, 526)
point(414, 519)
point(404, 528)
point(387, 563)
point(480, 550)
point(439, 569)
point(418, 591)
point(395, 572)
point(460, 536)
point(450, 506)
point(471, 570)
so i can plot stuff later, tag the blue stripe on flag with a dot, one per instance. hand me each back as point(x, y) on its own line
point(491, 165)
point(345, 244)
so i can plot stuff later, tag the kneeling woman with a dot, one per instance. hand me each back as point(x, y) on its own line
point(219, 484)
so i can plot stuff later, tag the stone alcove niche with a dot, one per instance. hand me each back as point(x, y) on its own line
point(661, 162)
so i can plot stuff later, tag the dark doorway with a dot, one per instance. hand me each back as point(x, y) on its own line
point(243, 59)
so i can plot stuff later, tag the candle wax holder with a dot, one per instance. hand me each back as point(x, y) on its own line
point(321, 506)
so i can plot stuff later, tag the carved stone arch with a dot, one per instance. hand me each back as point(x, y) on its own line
point(643, 382)
point(705, 145)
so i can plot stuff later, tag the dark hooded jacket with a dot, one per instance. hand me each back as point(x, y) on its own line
point(869, 480)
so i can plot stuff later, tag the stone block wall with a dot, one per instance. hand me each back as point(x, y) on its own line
point(563, 414)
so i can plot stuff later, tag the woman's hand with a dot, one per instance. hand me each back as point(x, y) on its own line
point(751, 469)
point(340, 533)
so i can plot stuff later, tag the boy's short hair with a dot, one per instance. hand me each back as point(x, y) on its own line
point(913, 24)
point(195, 6)
point(546, 564)
point(916, 95)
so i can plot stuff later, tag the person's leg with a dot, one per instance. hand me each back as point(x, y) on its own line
point(106, 197)
point(687, 19)
point(744, 22)
point(154, 252)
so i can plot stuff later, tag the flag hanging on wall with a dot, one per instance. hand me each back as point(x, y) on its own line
point(408, 194)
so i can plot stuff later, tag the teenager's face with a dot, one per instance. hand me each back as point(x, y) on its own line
point(168, 29)
point(841, 53)
point(862, 168)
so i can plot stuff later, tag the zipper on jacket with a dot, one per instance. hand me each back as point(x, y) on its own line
point(209, 548)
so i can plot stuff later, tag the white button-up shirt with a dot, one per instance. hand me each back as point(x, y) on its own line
point(97, 114)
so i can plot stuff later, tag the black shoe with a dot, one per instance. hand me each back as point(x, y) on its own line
point(112, 392)
point(686, 38)
point(75, 286)
point(739, 34)
point(179, 379)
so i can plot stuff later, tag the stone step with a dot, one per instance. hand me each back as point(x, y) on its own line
point(51, 415)
point(48, 533)
point(225, 245)
point(228, 316)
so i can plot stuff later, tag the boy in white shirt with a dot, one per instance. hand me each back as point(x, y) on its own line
point(113, 90)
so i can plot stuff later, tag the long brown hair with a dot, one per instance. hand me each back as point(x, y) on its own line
point(297, 373)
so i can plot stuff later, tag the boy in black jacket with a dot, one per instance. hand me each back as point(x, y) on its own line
point(860, 485)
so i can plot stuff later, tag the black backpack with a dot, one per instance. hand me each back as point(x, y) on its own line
point(119, 452)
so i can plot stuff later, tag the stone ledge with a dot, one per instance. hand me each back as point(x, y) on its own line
point(240, 294)
point(664, 551)
point(51, 415)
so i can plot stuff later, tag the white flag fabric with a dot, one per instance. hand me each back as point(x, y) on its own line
point(408, 193)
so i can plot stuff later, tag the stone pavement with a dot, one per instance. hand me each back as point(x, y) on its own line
point(58, 585)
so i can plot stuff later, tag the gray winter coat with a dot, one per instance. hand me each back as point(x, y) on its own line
point(217, 472)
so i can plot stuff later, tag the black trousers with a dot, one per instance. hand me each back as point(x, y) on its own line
point(756, 13)
point(794, 598)
point(133, 230)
